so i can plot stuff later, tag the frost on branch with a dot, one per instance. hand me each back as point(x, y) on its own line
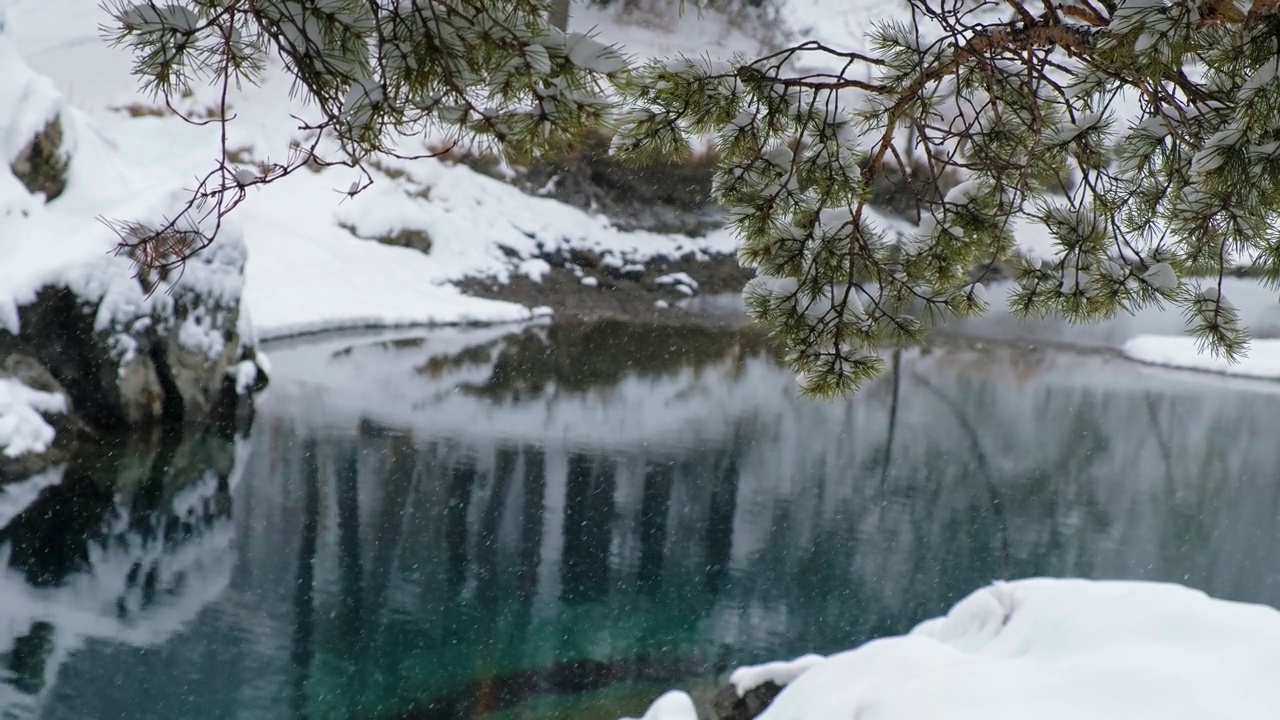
point(1140, 136)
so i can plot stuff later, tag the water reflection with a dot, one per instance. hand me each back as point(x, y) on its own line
point(419, 544)
point(122, 545)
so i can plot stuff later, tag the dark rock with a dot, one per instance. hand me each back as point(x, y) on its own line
point(29, 372)
point(124, 378)
point(585, 259)
point(413, 239)
point(729, 705)
point(234, 409)
point(126, 368)
point(41, 166)
point(197, 375)
point(416, 239)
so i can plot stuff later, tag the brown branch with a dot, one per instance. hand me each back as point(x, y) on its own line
point(1086, 13)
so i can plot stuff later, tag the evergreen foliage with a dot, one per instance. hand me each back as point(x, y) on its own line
point(1143, 135)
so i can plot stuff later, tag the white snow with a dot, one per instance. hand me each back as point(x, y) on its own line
point(680, 280)
point(780, 673)
point(1161, 276)
point(534, 269)
point(1058, 650)
point(22, 427)
point(673, 705)
point(1182, 351)
point(245, 373)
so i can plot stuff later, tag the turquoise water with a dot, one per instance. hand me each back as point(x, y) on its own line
point(565, 523)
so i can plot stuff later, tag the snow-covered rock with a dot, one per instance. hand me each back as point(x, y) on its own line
point(72, 311)
point(1057, 649)
point(751, 689)
point(781, 673)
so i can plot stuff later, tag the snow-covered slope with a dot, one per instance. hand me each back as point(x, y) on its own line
point(308, 266)
point(61, 242)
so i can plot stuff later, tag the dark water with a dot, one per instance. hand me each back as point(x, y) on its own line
point(567, 522)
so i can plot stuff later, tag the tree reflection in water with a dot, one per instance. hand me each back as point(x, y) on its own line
point(124, 544)
point(426, 552)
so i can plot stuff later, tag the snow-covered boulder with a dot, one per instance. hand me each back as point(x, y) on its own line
point(74, 317)
point(1057, 650)
point(751, 689)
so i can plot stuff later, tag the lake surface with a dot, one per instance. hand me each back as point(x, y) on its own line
point(567, 521)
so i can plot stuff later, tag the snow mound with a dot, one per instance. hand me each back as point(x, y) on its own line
point(673, 705)
point(22, 426)
point(1055, 649)
point(1182, 351)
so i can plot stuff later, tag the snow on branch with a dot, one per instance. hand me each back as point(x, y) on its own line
point(876, 193)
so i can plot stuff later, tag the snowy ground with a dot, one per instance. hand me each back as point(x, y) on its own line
point(308, 267)
point(1046, 649)
point(1180, 351)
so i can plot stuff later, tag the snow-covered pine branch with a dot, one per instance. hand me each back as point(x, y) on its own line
point(1139, 134)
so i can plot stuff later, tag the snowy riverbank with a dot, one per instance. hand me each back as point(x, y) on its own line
point(314, 261)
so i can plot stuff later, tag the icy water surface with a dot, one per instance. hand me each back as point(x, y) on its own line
point(565, 522)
